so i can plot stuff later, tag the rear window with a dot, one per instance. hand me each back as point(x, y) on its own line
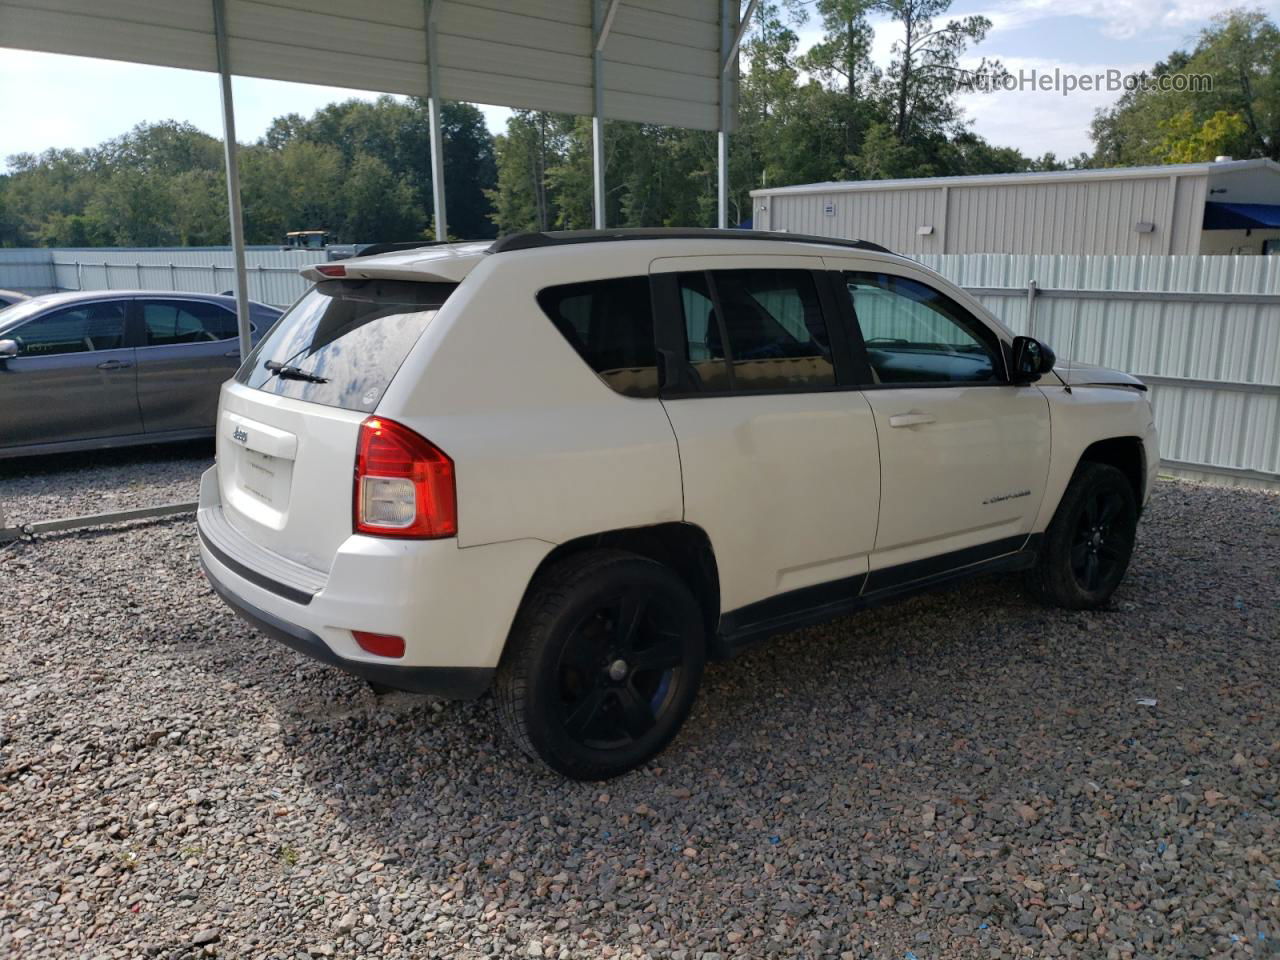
point(352, 334)
point(610, 324)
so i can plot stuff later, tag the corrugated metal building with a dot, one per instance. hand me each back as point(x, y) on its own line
point(1228, 207)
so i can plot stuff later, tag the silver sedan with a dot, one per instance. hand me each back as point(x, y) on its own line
point(107, 369)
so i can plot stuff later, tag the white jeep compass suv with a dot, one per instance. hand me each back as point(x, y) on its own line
point(574, 466)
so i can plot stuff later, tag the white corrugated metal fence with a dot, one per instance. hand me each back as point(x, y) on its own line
point(273, 273)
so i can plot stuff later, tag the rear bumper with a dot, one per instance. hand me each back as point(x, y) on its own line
point(456, 683)
point(453, 605)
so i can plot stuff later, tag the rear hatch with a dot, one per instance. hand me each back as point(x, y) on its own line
point(289, 422)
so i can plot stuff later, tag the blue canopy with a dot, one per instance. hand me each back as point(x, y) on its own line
point(1241, 216)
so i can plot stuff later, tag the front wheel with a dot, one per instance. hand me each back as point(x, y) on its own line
point(603, 664)
point(1087, 547)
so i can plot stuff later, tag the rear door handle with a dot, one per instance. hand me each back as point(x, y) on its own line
point(910, 419)
point(232, 353)
point(114, 365)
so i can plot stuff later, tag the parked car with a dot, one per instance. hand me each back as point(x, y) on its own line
point(108, 369)
point(10, 297)
point(575, 466)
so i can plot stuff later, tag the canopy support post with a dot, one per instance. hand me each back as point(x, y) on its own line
point(722, 134)
point(601, 21)
point(722, 180)
point(436, 134)
point(230, 152)
point(731, 35)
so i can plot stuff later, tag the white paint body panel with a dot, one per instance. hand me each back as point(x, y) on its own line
point(973, 474)
point(786, 487)
point(1085, 415)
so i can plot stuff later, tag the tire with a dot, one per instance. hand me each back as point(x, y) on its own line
point(579, 692)
point(1087, 547)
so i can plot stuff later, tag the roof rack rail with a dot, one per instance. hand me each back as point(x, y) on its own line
point(373, 249)
point(556, 238)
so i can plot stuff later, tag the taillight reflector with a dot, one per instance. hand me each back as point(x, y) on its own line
point(404, 484)
point(380, 644)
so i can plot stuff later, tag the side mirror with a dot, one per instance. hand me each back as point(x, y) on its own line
point(1031, 360)
point(8, 348)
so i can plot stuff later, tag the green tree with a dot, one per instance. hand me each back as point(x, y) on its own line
point(925, 73)
point(1188, 141)
point(296, 187)
point(131, 208)
point(10, 233)
point(397, 132)
point(533, 144)
point(843, 53)
point(470, 170)
point(1240, 114)
point(379, 205)
point(41, 189)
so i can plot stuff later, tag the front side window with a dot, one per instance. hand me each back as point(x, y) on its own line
point(342, 343)
point(610, 325)
point(915, 334)
point(79, 329)
point(755, 330)
point(168, 322)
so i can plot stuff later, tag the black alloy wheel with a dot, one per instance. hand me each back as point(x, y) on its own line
point(1086, 550)
point(619, 669)
point(1100, 544)
point(603, 664)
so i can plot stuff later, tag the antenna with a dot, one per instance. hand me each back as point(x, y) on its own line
point(1071, 355)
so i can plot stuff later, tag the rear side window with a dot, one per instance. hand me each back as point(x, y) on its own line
point(344, 341)
point(168, 322)
point(756, 330)
point(610, 324)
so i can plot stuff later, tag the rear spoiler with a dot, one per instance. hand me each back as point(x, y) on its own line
point(426, 270)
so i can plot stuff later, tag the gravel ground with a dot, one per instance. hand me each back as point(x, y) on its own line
point(78, 484)
point(962, 775)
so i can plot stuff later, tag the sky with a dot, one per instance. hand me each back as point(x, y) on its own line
point(59, 101)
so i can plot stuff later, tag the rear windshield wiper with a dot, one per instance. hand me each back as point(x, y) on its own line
point(286, 372)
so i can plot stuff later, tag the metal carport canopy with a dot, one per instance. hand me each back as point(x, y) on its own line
point(669, 62)
point(661, 59)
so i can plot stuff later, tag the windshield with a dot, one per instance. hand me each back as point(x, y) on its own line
point(348, 337)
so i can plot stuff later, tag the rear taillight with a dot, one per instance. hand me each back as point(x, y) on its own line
point(331, 269)
point(404, 484)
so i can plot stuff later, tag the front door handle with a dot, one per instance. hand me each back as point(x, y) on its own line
point(910, 419)
point(114, 365)
point(232, 353)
